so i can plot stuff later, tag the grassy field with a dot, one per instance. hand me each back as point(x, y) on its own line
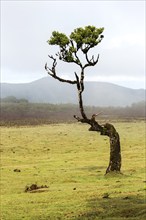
point(71, 162)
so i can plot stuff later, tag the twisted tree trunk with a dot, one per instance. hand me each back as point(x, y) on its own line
point(115, 149)
point(106, 129)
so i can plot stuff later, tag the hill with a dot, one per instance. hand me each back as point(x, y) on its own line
point(48, 90)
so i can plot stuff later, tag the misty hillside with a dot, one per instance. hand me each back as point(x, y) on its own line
point(49, 90)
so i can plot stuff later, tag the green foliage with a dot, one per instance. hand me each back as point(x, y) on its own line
point(89, 36)
point(59, 39)
point(81, 38)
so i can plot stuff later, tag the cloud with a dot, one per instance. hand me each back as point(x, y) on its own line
point(27, 25)
point(129, 39)
point(123, 80)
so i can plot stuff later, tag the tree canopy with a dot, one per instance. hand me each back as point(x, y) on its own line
point(80, 39)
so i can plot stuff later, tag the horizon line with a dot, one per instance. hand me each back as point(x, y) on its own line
point(87, 80)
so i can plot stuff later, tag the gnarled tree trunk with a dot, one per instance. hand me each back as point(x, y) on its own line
point(115, 149)
point(106, 129)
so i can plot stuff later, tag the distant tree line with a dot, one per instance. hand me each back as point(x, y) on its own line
point(21, 111)
point(13, 99)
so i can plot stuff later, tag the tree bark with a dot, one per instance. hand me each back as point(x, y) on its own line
point(115, 148)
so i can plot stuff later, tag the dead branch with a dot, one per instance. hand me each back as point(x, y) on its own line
point(95, 115)
point(91, 62)
point(52, 72)
point(94, 124)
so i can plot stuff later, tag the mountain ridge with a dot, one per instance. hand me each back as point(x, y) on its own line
point(49, 90)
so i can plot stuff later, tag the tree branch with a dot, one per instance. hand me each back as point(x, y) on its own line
point(77, 61)
point(78, 82)
point(68, 55)
point(94, 124)
point(83, 120)
point(80, 87)
point(82, 81)
point(91, 62)
point(52, 72)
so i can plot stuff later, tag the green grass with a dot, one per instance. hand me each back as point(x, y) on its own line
point(71, 161)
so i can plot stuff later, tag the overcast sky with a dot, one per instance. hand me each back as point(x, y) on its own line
point(27, 25)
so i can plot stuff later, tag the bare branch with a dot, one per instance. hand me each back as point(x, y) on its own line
point(94, 124)
point(52, 72)
point(82, 81)
point(91, 62)
point(95, 115)
point(97, 59)
point(80, 87)
point(78, 82)
point(83, 120)
point(54, 65)
point(77, 61)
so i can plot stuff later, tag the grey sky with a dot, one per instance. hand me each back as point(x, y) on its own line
point(27, 25)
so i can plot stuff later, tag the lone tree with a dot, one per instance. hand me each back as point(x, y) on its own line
point(81, 41)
